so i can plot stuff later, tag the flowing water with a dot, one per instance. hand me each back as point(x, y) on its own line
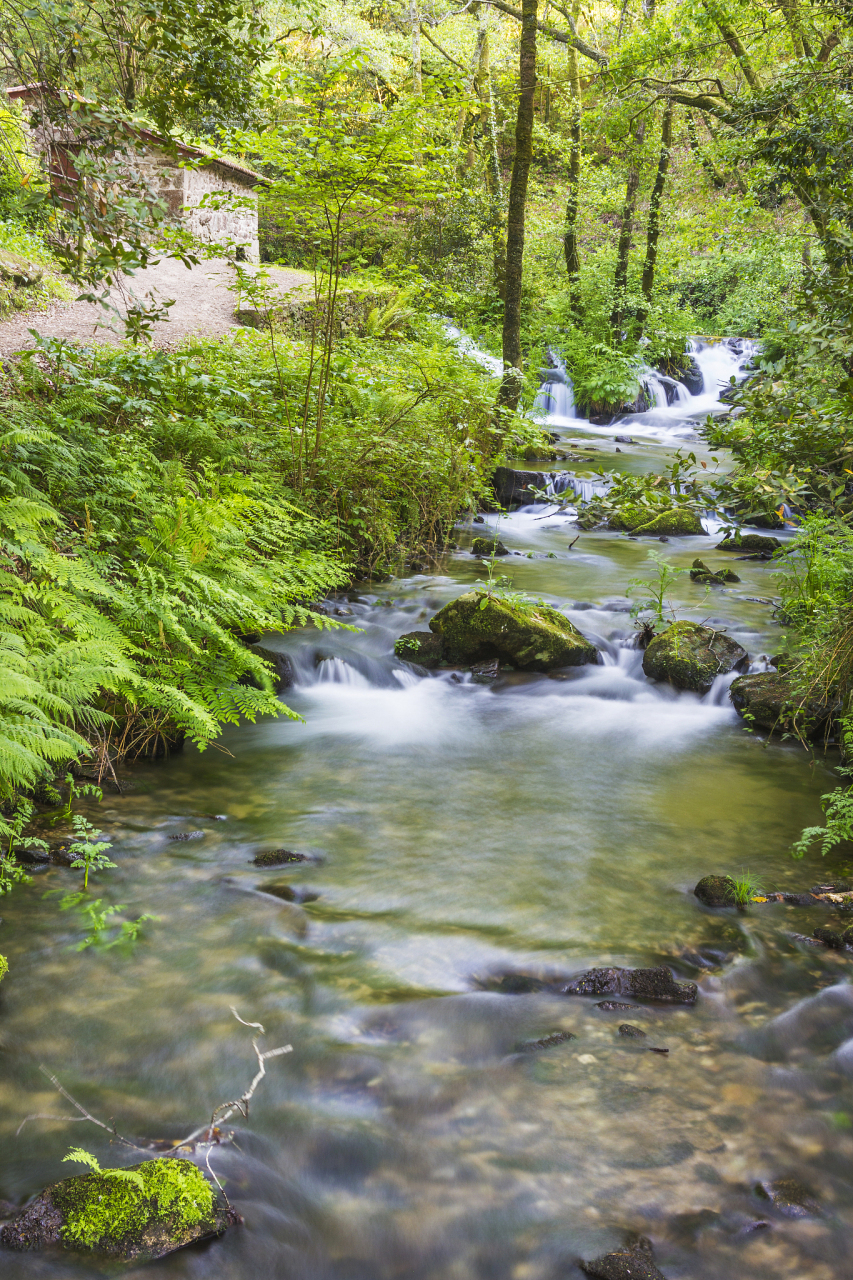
point(456, 829)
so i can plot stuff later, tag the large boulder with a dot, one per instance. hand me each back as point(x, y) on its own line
point(716, 891)
point(169, 1204)
point(422, 647)
point(768, 700)
point(478, 625)
point(678, 522)
point(689, 656)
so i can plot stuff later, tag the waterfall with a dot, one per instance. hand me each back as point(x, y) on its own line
point(556, 396)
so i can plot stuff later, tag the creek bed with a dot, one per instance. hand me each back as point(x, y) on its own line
point(457, 830)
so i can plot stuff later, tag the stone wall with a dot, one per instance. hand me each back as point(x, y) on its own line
point(186, 188)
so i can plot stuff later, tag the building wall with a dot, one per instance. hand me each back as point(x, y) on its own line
point(186, 188)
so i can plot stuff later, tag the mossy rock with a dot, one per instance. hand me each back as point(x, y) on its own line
point(421, 647)
point(477, 626)
point(717, 577)
point(768, 700)
point(489, 547)
point(114, 1215)
point(18, 270)
point(677, 522)
point(716, 891)
point(689, 656)
point(749, 544)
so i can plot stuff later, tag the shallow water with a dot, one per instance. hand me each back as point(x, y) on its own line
point(545, 823)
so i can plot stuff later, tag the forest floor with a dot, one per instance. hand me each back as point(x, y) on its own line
point(204, 304)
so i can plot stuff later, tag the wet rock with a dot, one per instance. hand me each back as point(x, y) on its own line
point(636, 1033)
point(749, 543)
point(768, 700)
point(790, 1198)
point(718, 577)
point(278, 857)
point(643, 984)
point(818, 1024)
point(624, 440)
point(188, 835)
point(690, 656)
point(282, 666)
point(833, 937)
point(674, 521)
point(486, 672)
point(290, 892)
point(512, 983)
point(513, 487)
point(635, 1262)
point(479, 520)
point(546, 1042)
point(715, 891)
point(143, 1225)
point(489, 547)
point(421, 647)
point(611, 1005)
point(477, 626)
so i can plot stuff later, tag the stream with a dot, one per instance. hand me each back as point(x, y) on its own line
point(453, 830)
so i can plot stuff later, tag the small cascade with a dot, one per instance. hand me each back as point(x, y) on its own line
point(337, 671)
point(466, 346)
point(556, 396)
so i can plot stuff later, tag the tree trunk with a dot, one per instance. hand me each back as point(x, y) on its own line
point(620, 276)
point(570, 238)
point(510, 390)
point(494, 185)
point(717, 178)
point(653, 225)
point(417, 75)
point(729, 33)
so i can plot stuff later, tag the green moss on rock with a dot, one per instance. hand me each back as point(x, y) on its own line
point(769, 701)
point(477, 626)
point(421, 647)
point(111, 1213)
point(749, 544)
point(677, 522)
point(689, 656)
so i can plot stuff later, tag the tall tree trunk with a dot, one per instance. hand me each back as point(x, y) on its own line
point(511, 385)
point(494, 184)
point(729, 32)
point(717, 178)
point(653, 225)
point(620, 276)
point(417, 74)
point(570, 238)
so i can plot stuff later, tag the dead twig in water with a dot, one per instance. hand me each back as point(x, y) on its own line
point(572, 543)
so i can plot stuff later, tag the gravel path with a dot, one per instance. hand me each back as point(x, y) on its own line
point(203, 305)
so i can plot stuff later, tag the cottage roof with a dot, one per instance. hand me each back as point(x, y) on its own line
point(225, 165)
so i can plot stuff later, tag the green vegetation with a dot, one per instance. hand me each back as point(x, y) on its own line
point(110, 1206)
point(745, 888)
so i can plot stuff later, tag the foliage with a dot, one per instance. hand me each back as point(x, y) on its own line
point(745, 887)
point(838, 829)
point(4, 967)
point(654, 592)
point(98, 920)
point(114, 1204)
point(679, 486)
point(89, 852)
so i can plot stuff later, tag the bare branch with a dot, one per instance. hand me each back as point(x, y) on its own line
point(553, 33)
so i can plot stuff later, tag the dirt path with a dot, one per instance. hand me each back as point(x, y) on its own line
point(203, 305)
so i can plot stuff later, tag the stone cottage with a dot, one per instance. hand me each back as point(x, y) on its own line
point(182, 174)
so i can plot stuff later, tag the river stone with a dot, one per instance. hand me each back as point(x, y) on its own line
point(488, 547)
point(790, 1198)
point(278, 857)
point(546, 1042)
point(513, 487)
point(769, 700)
point(701, 573)
point(633, 517)
point(627, 1029)
point(422, 647)
point(486, 672)
point(749, 543)
point(689, 656)
point(159, 1233)
point(716, 891)
point(280, 663)
point(19, 270)
point(642, 984)
point(633, 1263)
point(833, 937)
point(538, 639)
